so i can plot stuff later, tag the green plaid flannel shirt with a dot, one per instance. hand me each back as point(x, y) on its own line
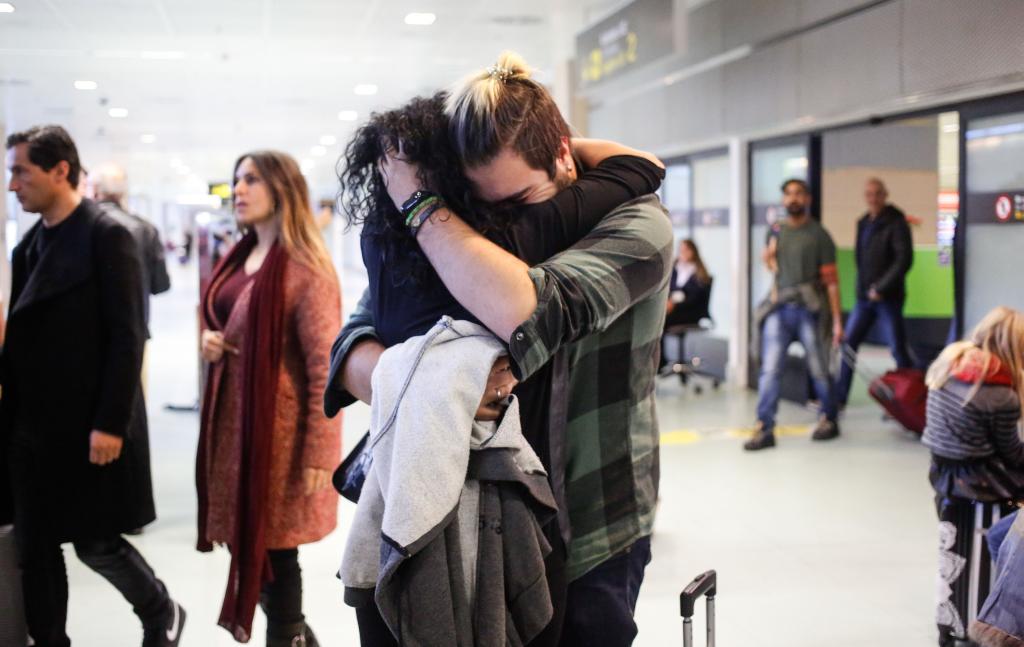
point(603, 301)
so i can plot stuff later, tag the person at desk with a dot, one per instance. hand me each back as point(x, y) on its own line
point(690, 293)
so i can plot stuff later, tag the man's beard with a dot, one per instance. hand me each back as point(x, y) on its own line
point(795, 209)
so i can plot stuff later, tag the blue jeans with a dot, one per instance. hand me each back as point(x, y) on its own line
point(890, 315)
point(788, 323)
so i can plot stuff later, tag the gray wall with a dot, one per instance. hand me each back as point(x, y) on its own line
point(753, 68)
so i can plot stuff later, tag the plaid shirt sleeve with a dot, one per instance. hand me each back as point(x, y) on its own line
point(584, 289)
point(360, 326)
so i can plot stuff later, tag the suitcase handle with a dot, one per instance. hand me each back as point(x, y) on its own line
point(703, 584)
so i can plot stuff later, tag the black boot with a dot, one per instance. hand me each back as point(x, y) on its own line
point(763, 439)
point(825, 430)
point(294, 635)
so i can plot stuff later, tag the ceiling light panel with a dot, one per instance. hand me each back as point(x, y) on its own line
point(86, 85)
point(420, 19)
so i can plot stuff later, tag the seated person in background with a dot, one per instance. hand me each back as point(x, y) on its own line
point(690, 288)
point(974, 411)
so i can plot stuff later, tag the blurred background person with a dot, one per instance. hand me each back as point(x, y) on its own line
point(266, 449)
point(690, 293)
point(110, 186)
point(885, 253)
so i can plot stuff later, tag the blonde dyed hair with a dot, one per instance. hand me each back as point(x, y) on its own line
point(503, 106)
point(290, 194)
point(1001, 335)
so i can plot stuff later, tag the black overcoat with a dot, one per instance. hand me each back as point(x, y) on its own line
point(71, 364)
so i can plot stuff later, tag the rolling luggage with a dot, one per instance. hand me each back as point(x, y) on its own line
point(901, 392)
point(705, 584)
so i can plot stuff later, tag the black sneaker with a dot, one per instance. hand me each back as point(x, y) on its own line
point(763, 439)
point(168, 633)
point(297, 635)
point(825, 430)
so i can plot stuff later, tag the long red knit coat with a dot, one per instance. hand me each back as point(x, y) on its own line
point(303, 436)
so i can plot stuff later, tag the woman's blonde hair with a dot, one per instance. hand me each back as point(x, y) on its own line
point(290, 194)
point(503, 106)
point(1001, 335)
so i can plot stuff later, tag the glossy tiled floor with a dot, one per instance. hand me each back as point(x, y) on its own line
point(815, 544)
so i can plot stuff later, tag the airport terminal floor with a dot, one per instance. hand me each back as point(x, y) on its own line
point(810, 540)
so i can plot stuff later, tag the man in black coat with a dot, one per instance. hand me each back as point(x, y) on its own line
point(885, 253)
point(72, 416)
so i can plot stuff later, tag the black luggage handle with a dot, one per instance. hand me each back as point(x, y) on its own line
point(704, 584)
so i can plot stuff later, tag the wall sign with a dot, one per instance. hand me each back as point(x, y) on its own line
point(1005, 208)
point(638, 33)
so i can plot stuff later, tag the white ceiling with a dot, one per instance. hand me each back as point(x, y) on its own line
point(213, 78)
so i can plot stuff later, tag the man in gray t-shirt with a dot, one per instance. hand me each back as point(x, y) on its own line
point(802, 256)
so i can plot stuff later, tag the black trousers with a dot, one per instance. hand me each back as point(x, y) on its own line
point(281, 598)
point(45, 584)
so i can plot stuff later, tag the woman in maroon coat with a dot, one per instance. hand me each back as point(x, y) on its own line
point(266, 450)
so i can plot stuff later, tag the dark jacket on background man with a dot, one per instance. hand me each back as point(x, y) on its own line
point(71, 364)
point(885, 258)
point(151, 251)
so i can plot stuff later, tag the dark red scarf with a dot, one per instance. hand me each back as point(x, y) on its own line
point(261, 357)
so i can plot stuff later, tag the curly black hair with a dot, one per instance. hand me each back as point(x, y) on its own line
point(422, 127)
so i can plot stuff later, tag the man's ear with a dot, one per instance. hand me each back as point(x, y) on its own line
point(565, 155)
point(61, 170)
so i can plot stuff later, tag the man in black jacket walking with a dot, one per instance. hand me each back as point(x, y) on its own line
point(72, 418)
point(885, 253)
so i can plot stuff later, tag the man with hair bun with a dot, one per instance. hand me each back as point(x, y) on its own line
point(594, 313)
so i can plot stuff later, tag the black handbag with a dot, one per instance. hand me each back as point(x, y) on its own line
point(351, 474)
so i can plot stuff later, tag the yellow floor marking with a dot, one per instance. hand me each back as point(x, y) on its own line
point(680, 437)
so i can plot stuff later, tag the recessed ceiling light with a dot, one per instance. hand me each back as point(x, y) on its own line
point(148, 139)
point(118, 113)
point(86, 85)
point(160, 55)
point(420, 19)
point(6, 7)
point(348, 115)
point(365, 89)
point(318, 151)
point(328, 140)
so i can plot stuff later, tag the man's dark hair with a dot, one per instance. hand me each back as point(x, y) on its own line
point(47, 147)
point(503, 106)
point(802, 184)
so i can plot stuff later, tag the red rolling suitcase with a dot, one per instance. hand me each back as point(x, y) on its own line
point(902, 392)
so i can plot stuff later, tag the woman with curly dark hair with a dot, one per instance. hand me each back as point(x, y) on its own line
point(406, 298)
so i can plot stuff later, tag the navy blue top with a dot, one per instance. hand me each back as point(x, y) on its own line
point(538, 231)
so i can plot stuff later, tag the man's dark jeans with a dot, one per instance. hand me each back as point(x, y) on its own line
point(601, 603)
point(45, 583)
point(889, 315)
